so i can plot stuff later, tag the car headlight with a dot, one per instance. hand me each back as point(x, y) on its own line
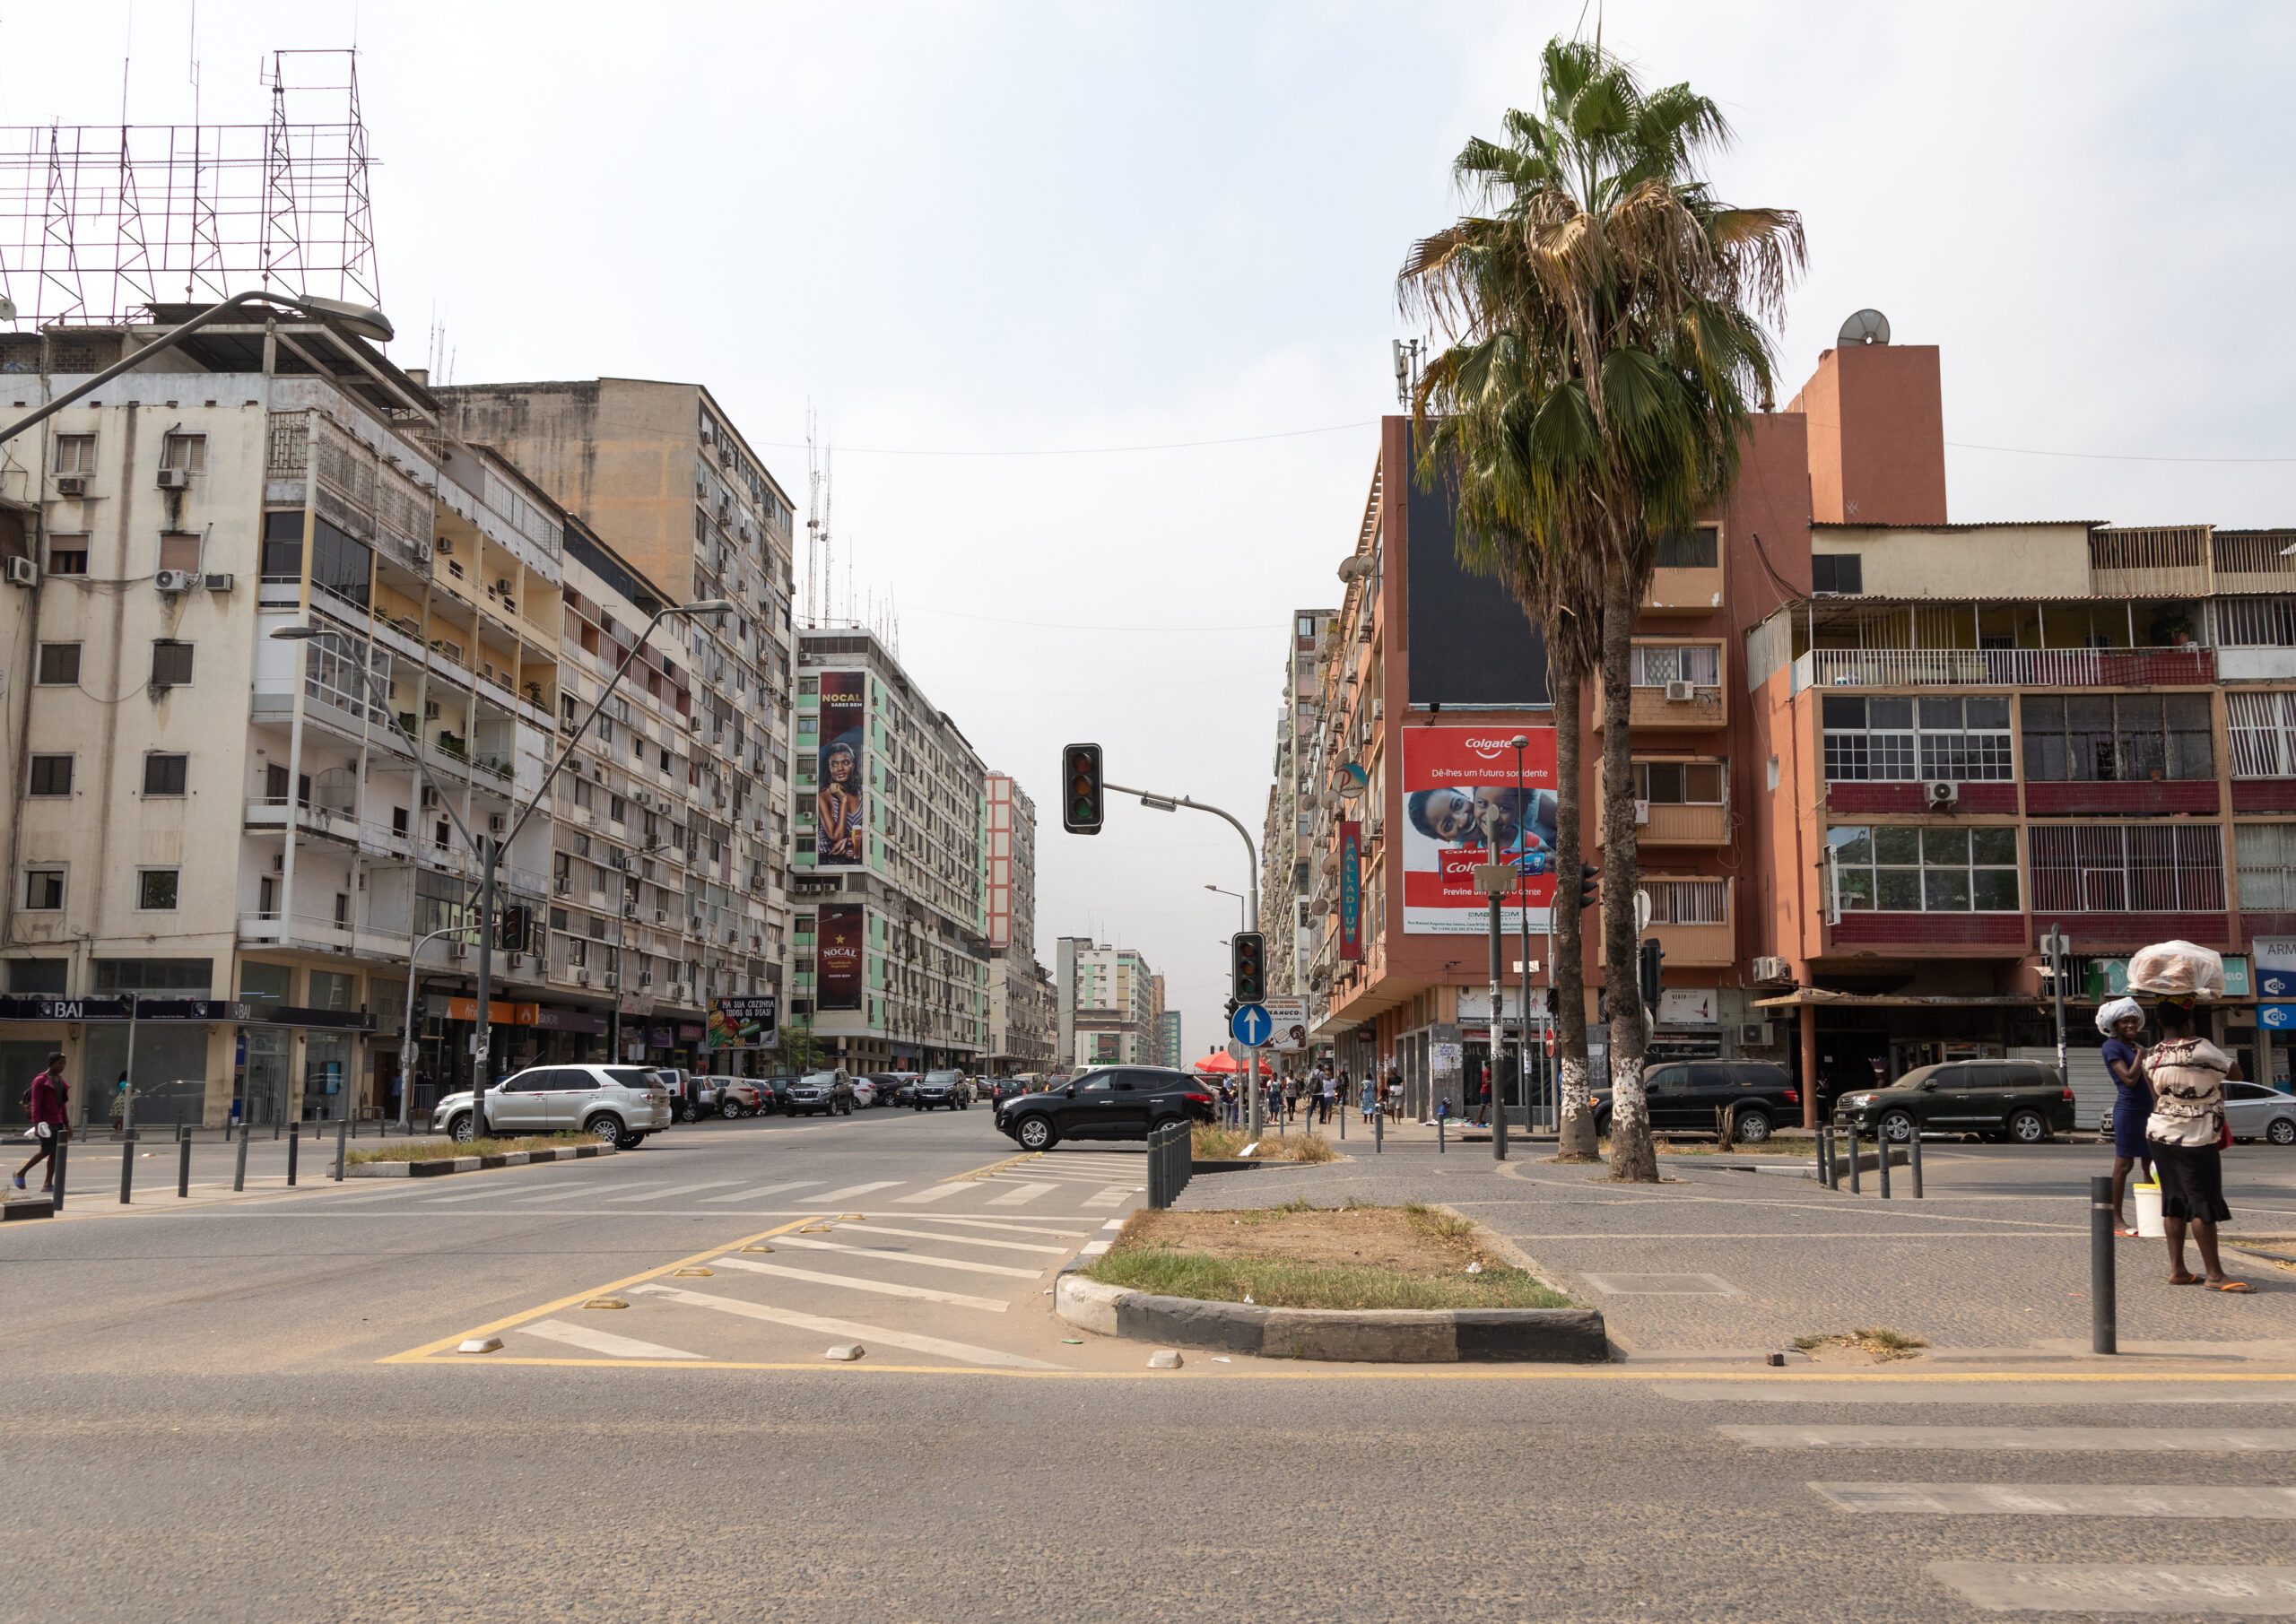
point(1862, 1101)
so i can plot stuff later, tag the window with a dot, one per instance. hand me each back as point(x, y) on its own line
point(583, 793)
point(282, 545)
point(59, 664)
point(37, 975)
point(178, 550)
point(76, 454)
point(617, 809)
point(266, 982)
point(155, 889)
point(2266, 855)
point(1678, 783)
point(2262, 725)
point(164, 774)
point(1688, 901)
point(68, 555)
point(1900, 741)
point(1868, 740)
point(194, 975)
point(1904, 869)
point(2117, 868)
point(170, 663)
point(1698, 549)
point(341, 563)
point(399, 822)
point(1837, 572)
point(2117, 738)
point(186, 453)
point(43, 888)
point(51, 776)
point(1656, 664)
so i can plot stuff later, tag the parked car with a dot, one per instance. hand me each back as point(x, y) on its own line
point(692, 1096)
point(2251, 1110)
point(776, 1090)
point(1107, 1102)
point(1684, 1095)
point(822, 1094)
point(2016, 1099)
point(937, 1089)
point(738, 1096)
point(618, 1103)
point(895, 1088)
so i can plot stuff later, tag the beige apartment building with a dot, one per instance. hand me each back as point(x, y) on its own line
point(1021, 1019)
point(1287, 839)
point(1108, 1005)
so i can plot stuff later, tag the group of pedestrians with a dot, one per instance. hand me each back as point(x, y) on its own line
point(2169, 1117)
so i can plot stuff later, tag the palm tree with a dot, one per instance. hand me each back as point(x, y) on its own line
point(1639, 302)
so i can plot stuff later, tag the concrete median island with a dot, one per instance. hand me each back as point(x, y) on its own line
point(1411, 1284)
point(441, 1157)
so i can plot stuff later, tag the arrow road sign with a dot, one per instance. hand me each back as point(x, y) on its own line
point(1250, 1024)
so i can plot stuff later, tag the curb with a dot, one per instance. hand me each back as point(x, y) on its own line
point(27, 1206)
point(1399, 1336)
point(439, 1166)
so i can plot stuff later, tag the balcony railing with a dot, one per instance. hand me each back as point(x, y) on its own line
point(2003, 668)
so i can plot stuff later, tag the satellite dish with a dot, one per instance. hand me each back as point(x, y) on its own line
point(1865, 327)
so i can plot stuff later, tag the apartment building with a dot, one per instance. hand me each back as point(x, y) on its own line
point(658, 472)
point(1110, 1002)
point(889, 874)
point(1020, 1018)
point(1287, 837)
point(1170, 1049)
point(230, 827)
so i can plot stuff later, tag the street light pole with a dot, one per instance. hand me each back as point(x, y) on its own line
point(1241, 925)
point(1523, 916)
point(406, 1030)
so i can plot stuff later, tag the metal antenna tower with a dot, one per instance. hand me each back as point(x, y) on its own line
point(820, 549)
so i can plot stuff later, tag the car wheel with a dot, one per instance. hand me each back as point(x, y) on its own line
point(460, 1130)
point(605, 1130)
point(2282, 1131)
point(1754, 1127)
point(686, 1112)
point(2027, 1128)
point(1037, 1135)
point(630, 1141)
point(1897, 1127)
point(730, 1110)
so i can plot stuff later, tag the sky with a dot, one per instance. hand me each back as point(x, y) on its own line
point(985, 243)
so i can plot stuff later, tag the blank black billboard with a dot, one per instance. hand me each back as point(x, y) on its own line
point(1471, 647)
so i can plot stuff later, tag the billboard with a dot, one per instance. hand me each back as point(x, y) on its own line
point(840, 943)
point(1457, 782)
point(1351, 889)
point(744, 1024)
point(840, 806)
point(1471, 643)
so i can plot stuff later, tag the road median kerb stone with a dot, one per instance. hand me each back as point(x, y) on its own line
point(439, 1166)
point(1401, 1336)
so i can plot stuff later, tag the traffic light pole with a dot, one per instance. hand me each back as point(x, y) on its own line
point(1256, 1104)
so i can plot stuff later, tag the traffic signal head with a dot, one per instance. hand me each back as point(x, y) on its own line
point(1248, 965)
point(1083, 805)
point(1647, 962)
point(1590, 885)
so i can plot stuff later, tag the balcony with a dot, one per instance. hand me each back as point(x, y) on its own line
point(1956, 934)
point(2177, 667)
point(1690, 919)
point(1685, 591)
point(1672, 707)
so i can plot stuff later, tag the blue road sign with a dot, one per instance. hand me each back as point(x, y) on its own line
point(1250, 1025)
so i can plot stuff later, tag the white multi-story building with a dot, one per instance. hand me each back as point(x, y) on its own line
point(1287, 841)
point(1108, 1005)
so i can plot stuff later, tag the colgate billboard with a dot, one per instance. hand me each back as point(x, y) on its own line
point(1461, 792)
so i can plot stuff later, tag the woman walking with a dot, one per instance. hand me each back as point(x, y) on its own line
point(2121, 1020)
point(2185, 1135)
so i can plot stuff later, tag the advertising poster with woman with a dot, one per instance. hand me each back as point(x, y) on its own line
point(841, 808)
point(1459, 793)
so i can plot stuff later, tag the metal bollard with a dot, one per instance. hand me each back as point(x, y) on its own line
point(1380, 1130)
point(1913, 1161)
point(63, 1145)
point(2104, 1335)
point(1825, 1155)
point(126, 1165)
point(240, 1174)
point(1881, 1152)
point(183, 1167)
point(294, 1144)
point(1855, 1187)
point(1441, 1120)
point(340, 1128)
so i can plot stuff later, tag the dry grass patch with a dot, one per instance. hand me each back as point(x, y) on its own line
point(1873, 1345)
point(1226, 1144)
point(1300, 1256)
point(438, 1150)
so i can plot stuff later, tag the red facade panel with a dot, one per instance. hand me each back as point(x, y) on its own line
point(1956, 931)
point(2264, 794)
point(1914, 798)
point(2137, 930)
point(2150, 798)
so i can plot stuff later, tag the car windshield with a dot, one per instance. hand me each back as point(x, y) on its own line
point(941, 1076)
point(632, 1077)
point(820, 1079)
point(1919, 1076)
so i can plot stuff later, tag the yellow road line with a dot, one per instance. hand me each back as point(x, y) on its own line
point(524, 1315)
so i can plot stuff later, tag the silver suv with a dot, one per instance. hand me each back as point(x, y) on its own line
point(618, 1103)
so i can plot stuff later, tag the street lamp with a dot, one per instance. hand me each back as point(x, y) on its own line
point(406, 1030)
point(360, 321)
point(1520, 743)
point(489, 850)
point(1241, 923)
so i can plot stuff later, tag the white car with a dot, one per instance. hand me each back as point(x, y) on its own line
point(2251, 1110)
point(865, 1093)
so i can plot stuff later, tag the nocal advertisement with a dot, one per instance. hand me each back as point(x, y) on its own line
point(841, 808)
point(839, 945)
point(1457, 782)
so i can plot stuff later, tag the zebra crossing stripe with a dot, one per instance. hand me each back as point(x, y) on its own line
point(960, 1265)
point(2030, 1440)
point(873, 1334)
point(2187, 1500)
point(1020, 1195)
point(751, 1194)
point(947, 1239)
point(935, 1193)
point(2248, 1593)
point(850, 1191)
point(882, 1287)
point(601, 1342)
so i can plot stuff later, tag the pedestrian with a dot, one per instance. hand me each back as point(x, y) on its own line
point(119, 1103)
point(1482, 1099)
point(2121, 1020)
point(46, 1103)
point(1331, 1095)
point(1371, 1097)
point(2186, 1134)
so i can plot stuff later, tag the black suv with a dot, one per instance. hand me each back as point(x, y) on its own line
point(2017, 1099)
point(1684, 1096)
point(1107, 1102)
point(936, 1089)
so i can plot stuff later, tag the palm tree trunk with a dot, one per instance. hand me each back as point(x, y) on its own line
point(1568, 974)
point(1633, 1155)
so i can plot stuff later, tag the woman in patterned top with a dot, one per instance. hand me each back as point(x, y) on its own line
point(839, 809)
point(2185, 1133)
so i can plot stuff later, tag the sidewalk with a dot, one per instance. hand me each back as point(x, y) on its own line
point(1993, 1263)
point(91, 1169)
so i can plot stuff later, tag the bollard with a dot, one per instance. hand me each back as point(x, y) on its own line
point(1441, 1119)
point(1380, 1130)
point(294, 1144)
point(2104, 1336)
point(1881, 1152)
point(126, 1165)
point(63, 1145)
point(1825, 1155)
point(183, 1167)
point(1856, 1188)
point(1913, 1159)
point(339, 1148)
point(240, 1174)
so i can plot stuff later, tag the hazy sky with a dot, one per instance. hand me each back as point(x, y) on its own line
point(985, 230)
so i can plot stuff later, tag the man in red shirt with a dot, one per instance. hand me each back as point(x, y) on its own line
point(47, 1100)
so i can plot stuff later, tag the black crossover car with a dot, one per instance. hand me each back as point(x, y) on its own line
point(937, 1089)
point(1107, 1102)
point(2017, 1099)
point(822, 1093)
point(1684, 1096)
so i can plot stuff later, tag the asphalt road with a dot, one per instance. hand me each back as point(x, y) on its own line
point(252, 1411)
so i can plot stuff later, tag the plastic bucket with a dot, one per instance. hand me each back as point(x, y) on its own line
point(2148, 1209)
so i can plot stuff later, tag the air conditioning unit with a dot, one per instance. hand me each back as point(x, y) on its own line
point(175, 478)
point(1641, 814)
point(645, 977)
point(694, 722)
point(217, 582)
point(506, 586)
point(563, 885)
point(1681, 694)
point(661, 916)
point(457, 949)
point(757, 826)
point(518, 962)
point(1768, 970)
point(176, 580)
point(430, 710)
point(496, 823)
point(1379, 709)
point(71, 484)
point(1754, 1035)
point(681, 992)
point(581, 978)
point(22, 572)
point(430, 796)
point(629, 910)
point(1941, 792)
point(614, 981)
point(446, 546)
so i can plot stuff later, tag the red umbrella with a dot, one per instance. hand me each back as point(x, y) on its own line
point(1228, 1066)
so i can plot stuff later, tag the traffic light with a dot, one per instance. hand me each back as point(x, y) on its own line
point(1647, 962)
point(1083, 805)
point(1248, 965)
point(1590, 886)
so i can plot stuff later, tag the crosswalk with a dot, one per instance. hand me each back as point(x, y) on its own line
point(2119, 1451)
point(578, 1190)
